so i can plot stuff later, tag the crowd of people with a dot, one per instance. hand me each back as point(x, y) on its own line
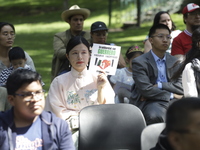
point(160, 80)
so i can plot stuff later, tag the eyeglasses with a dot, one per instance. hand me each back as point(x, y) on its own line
point(194, 13)
point(162, 36)
point(28, 96)
point(101, 34)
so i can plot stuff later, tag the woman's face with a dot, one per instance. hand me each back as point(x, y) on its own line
point(7, 36)
point(166, 20)
point(79, 57)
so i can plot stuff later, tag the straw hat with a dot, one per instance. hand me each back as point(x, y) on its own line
point(75, 10)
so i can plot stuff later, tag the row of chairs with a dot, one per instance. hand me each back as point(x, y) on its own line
point(116, 126)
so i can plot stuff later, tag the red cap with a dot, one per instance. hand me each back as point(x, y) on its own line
point(190, 8)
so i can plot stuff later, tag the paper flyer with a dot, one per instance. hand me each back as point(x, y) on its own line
point(104, 58)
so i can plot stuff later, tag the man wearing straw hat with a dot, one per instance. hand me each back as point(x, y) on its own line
point(75, 17)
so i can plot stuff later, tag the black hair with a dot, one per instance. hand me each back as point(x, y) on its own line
point(76, 41)
point(178, 115)
point(16, 53)
point(20, 77)
point(132, 51)
point(194, 52)
point(2, 24)
point(158, 26)
point(158, 16)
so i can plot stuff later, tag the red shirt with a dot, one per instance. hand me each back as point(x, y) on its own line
point(182, 43)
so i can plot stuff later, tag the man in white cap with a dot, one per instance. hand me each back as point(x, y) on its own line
point(182, 43)
point(75, 17)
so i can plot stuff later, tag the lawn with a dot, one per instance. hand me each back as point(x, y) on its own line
point(37, 21)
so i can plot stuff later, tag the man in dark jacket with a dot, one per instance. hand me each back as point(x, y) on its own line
point(26, 125)
point(182, 130)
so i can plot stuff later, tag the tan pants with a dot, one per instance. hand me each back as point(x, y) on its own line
point(4, 104)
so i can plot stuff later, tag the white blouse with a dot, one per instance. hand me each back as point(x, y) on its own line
point(188, 81)
point(72, 91)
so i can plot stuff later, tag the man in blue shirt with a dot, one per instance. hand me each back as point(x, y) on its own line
point(152, 72)
point(26, 125)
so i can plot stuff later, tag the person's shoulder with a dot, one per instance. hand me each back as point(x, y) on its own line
point(175, 33)
point(62, 77)
point(171, 57)
point(180, 35)
point(49, 117)
point(61, 33)
point(6, 117)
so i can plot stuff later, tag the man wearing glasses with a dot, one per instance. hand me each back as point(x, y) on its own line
point(183, 42)
point(154, 89)
point(26, 124)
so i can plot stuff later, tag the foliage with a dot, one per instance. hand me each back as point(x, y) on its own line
point(37, 21)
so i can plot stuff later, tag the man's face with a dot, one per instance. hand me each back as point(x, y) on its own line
point(76, 23)
point(28, 101)
point(188, 140)
point(193, 18)
point(99, 37)
point(160, 40)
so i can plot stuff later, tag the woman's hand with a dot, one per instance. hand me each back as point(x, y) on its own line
point(101, 80)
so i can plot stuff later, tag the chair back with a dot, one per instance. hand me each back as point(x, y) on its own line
point(150, 135)
point(110, 126)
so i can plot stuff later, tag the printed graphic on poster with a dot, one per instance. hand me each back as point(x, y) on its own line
point(104, 58)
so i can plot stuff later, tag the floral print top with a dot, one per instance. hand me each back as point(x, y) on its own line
point(72, 91)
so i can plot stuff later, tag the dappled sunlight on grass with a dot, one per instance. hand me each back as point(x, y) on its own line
point(36, 27)
point(41, 27)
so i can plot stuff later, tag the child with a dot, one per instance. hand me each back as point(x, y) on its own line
point(123, 80)
point(18, 60)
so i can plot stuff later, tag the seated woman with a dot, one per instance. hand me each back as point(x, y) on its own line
point(7, 38)
point(78, 88)
point(162, 17)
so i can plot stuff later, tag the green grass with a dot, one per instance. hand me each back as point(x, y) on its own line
point(37, 21)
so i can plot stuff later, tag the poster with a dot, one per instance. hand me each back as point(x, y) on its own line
point(104, 58)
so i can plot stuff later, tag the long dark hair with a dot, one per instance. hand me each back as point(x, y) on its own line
point(157, 19)
point(193, 53)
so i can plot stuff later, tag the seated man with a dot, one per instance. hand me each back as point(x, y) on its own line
point(182, 126)
point(152, 72)
point(183, 42)
point(75, 17)
point(26, 124)
point(99, 34)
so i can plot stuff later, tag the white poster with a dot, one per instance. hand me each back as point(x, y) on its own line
point(104, 58)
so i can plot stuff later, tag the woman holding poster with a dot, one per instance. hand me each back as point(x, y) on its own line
point(74, 90)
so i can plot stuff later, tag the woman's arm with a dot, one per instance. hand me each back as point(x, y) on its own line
point(188, 81)
point(101, 81)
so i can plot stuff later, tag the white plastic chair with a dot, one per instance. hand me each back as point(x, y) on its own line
point(150, 134)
